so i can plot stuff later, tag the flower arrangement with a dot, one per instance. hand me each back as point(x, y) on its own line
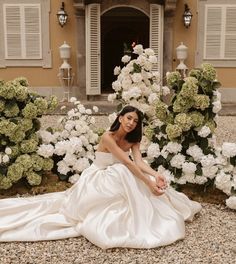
point(72, 147)
point(136, 83)
point(19, 112)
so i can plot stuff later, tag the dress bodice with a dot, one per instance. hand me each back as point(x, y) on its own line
point(105, 159)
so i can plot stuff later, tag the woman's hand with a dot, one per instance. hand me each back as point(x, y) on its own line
point(155, 189)
point(161, 182)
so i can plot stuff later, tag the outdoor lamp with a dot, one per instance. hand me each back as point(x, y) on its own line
point(182, 54)
point(62, 15)
point(187, 16)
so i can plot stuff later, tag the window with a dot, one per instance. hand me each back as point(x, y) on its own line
point(25, 39)
point(217, 33)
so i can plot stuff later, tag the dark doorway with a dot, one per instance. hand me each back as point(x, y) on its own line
point(120, 27)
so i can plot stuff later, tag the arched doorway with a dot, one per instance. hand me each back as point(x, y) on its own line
point(120, 27)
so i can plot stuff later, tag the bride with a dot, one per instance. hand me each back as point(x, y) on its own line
point(117, 202)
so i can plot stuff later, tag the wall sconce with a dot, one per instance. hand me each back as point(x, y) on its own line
point(62, 15)
point(187, 16)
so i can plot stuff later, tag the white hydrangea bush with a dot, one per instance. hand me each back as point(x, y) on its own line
point(137, 83)
point(73, 146)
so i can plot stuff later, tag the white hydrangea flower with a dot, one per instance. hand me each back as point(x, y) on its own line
point(61, 147)
point(95, 109)
point(152, 98)
point(173, 147)
point(190, 178)
point(45, 150)
point(81, 164)
point(73, 99)
point(125, 59)
point(208, 160)
point(137, 77)
point(204, 131)
point(229, 149)
point(196, 152)
point(138, 49)
point(216, 106)
point(74, 178)
point(70, 159)
point(149, 52)
point(46, 136)
point(153, 151)
point(88, 111)
point(117, 70)
point(177, 161)
point(5, 158)
point(231, 202)
point(189, 167)
point(153, 59)
point(223, 182)
point(126, 83)
point(62, 167)
point(8, 151)
point(112, 117)
point(200, 180)
point(165, 90)
point(210, 172)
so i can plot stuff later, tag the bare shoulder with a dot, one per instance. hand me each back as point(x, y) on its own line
point(106, 136)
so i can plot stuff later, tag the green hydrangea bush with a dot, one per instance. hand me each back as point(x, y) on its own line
point(19, 140)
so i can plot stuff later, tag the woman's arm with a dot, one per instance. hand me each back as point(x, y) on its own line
point(145, 168)
point(109, 143)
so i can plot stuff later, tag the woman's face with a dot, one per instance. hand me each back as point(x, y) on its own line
point(129, 121)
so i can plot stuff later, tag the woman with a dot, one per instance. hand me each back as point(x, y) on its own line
point(117, 202)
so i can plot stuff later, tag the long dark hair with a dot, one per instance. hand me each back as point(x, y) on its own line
point(136, 134)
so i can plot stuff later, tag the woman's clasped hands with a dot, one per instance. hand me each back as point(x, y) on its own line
point(158, 186)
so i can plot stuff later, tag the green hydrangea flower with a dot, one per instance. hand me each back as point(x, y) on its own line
point(25, 160)
point(5, 183)
point(48, 164)
point(30, 111)
point(38, 162)
point(42, 105)
point(2, 105)
point(184, 121)
point(208, 71)
point(26, 124)
point(7, 91)
point(195, 73)
point(189, 90)
point(11, 110)
point(21, 93)
point(149, 132)
point(212, 125)
point(197, 118)
point(15, 151)
point(173, 78)
point(173, 131)
point(33, 178)
point(15, 172)
point(22, 81)
point(7, 127)
point(161, 110)
point(201, 101)
point(182, 104)
point(17, 135)
point(28, 146)
point(52, 103)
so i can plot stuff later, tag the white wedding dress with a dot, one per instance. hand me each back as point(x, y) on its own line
point(108, 205)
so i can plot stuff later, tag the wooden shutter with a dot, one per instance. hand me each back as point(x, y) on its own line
point(220, 32)
point(230, 32)
point(93, 63)
point(22, 29)
point(156, 34)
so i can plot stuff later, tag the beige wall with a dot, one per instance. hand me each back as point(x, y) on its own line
point(48, 77)
point(189, 37)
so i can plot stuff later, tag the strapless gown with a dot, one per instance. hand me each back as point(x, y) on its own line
point(108, 205)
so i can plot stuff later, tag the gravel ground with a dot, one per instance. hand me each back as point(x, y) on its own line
point(210, 238)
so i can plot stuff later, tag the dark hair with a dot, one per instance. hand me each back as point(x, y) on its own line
point(136, 134)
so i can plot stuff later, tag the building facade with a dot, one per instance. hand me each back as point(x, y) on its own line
point(100, 32)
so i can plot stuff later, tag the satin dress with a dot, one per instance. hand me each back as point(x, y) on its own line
point(108, 205)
